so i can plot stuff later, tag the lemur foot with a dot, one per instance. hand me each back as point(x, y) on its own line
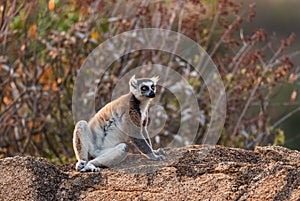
point(80, 165)
point(90, 168)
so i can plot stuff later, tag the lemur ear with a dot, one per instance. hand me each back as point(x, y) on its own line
point(133, 82)
point(155, 79)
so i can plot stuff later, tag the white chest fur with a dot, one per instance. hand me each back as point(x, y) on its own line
point(144, 110)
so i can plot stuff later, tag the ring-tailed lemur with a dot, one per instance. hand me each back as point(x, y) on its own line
point(104, 138)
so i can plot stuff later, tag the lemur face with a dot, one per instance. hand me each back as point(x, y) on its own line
point(145, 87)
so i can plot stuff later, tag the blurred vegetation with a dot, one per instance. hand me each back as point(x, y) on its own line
point(44, 43)
point(279, 23)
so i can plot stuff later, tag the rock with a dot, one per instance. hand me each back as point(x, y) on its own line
point(190, 173)
point(29, 178)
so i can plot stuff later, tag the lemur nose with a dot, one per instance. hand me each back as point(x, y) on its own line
point(151, 94)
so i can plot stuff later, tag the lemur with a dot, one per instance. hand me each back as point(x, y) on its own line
point(105, 137)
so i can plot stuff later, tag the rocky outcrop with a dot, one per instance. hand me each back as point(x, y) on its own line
point(190, 173)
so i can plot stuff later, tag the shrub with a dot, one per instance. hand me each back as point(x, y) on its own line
point(43, 44)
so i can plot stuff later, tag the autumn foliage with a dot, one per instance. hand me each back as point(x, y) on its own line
point(43, 45)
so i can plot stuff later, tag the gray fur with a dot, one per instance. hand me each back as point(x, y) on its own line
point(104, 138)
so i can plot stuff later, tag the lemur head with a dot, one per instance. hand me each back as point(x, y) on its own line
point(144, 87)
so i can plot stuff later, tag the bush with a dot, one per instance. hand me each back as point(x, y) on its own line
point(44, 44)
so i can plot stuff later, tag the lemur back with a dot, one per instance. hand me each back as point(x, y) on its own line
point(105, 137)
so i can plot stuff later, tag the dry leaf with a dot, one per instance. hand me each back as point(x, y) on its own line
point(37, 138)
point(6, 100)
point(51, 5)
point(32, 31)
point(94, 35)
point(292, 78)
point(293, 96)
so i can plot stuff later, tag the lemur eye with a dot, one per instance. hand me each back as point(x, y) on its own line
point(144, 88)
point(152, 87)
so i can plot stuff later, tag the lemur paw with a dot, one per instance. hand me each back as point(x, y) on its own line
point(90, 168)
point(158, 155)
point(161, 157)
point(160, 151)
point(80, 165)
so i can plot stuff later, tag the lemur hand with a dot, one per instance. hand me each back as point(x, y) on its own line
point(158, 155)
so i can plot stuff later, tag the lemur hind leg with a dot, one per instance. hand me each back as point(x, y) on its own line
point(81, 143)
point(107, 157)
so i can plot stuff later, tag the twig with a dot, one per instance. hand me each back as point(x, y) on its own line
point(281, 120)
point(212, 28)
point(250, 98)
point(11, 105)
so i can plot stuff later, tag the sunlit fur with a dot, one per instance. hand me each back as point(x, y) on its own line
point(105, 137)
